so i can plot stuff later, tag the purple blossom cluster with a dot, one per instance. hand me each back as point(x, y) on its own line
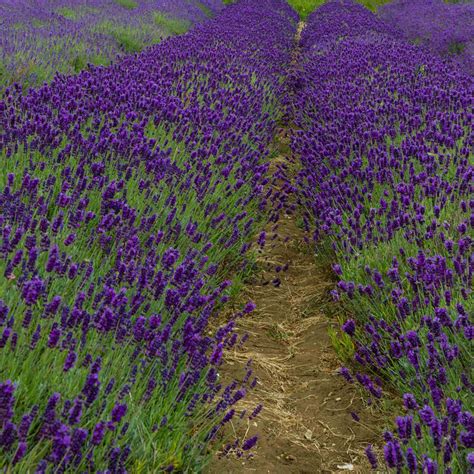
point(385, 138)
point(445, 27)
point(40, 37)
point(128, 195)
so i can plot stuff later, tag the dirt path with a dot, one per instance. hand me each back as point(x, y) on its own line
point(306, 425)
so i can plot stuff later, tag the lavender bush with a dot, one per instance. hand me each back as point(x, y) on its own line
point(446, 27)
point(40, 37)
point(128, 195)
point(385, 144)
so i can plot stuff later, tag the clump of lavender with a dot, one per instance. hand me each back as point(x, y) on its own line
point(387, 181)
point(131, 194)
point(445, 27)
point(44, 37)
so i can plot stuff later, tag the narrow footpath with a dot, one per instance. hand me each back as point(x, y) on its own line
point(308, 422)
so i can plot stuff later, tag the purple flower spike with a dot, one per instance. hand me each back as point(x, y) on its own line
point(98, 433)
point(118, 412)
point(409, 401)
point(7, 400)
point(250, 443)
point(250, 307)
point(20, 452)
point(371, 456)
point(349, 327)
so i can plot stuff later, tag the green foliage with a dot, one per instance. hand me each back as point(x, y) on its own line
point(37, 23)
point(78, 62)
point(205, 9)
point(99, 60)
point(68, 13)
point(342, 344)
point(3, 72)
point(127, 38)
point(456, 48)
point(174, 26)
point(81, 59)
point(129, 4)
point(373, 4)
point(305, 7)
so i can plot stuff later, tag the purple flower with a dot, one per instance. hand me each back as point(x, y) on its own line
point(8, 435)
point(228, 416)
point(53, 306)
point(98, 433)
point(75, 413)
point(371, 456)
point(91, 388)
point(70, 361)
point(118, 412)
point(49, 420)
point(427, 415)
point(170, 257)
point(335, 295)
point(349, 327)
point(7, 400)
point(412, 463)
point(337, 269)
point(32, 290)
point(54, 336)
point(250, 443)
point(249, 307)
point(216, 355)
point(393, 454)
point(344, 371)
point(430, 466)
point(355, 416)
point(239, 395)
point(42, 467)
point(69, 239)
point(60, 444)
point(20, 452)
point(404, 427)
point(409, 401)
point(35, 337)
point(78, 439)
point(25, 423)
point(467, 439)
point(256, 411)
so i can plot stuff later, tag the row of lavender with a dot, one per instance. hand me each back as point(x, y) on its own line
point(40, 37)
point(127, 196)
point(385, 145)
point(445, 26)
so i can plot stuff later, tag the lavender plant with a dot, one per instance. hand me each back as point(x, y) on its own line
point(40, 37)
point(445, 27)
point(385, 144)
point(129, 194)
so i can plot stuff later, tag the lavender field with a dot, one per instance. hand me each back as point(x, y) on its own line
point(41, 37)
point(155, 154)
